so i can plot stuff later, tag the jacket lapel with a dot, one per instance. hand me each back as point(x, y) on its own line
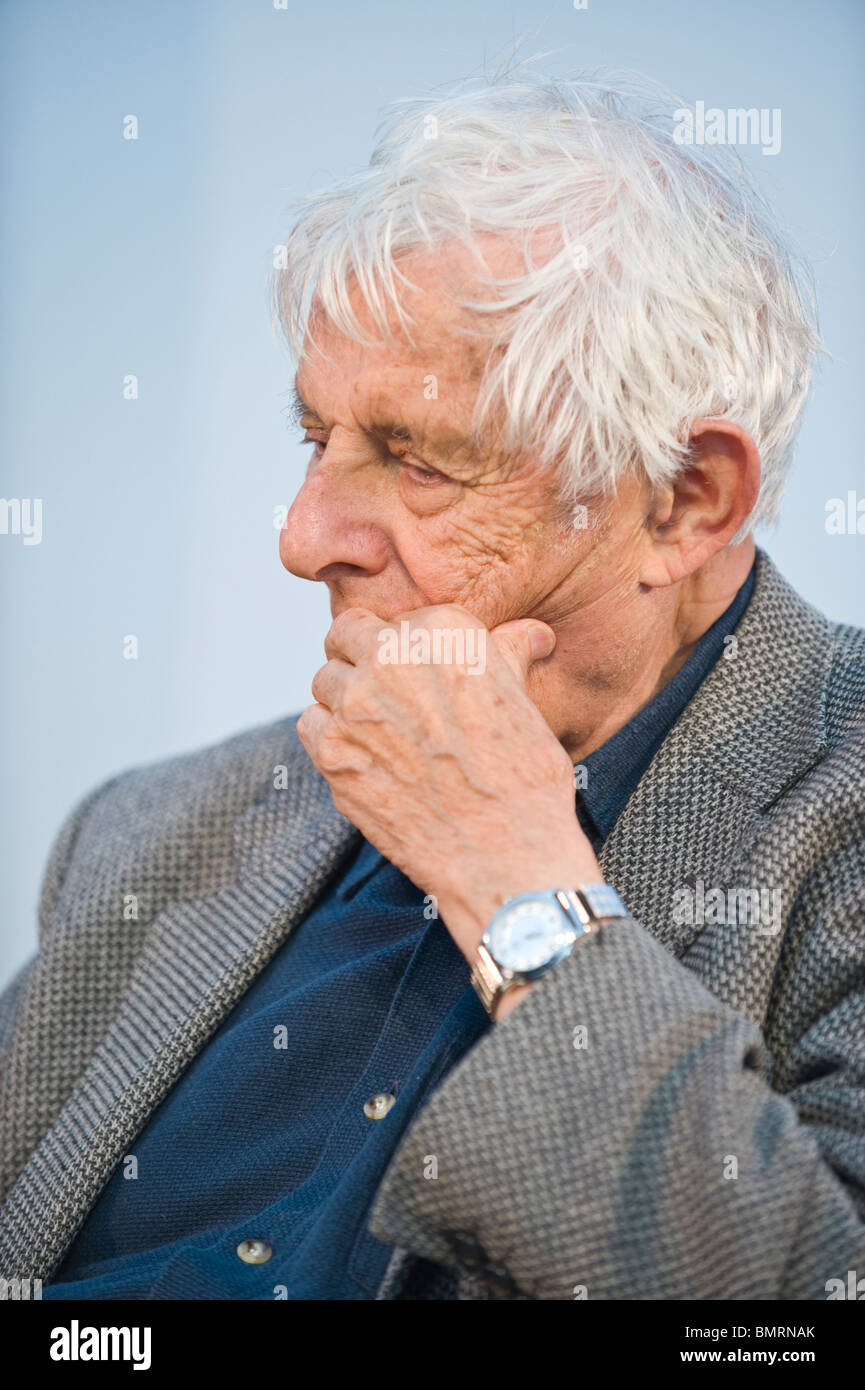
point(752, 729)
point(199, 958)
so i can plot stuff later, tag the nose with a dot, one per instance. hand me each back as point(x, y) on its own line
point(329, 523)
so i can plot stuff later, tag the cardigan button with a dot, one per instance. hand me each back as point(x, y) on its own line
point(377, 1106)
point(467, 1249)
point(499, 1281)
point(254, 1252)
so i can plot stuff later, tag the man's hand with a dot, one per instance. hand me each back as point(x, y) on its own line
point(450, 771)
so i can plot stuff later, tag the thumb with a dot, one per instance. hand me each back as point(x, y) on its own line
point(522, 642)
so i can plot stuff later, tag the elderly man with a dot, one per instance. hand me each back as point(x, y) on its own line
point(528, 962)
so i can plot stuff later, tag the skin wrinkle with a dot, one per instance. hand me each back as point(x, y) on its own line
point(487, 558)
point(437, 768)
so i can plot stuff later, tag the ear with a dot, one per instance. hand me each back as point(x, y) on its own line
point(700, 511)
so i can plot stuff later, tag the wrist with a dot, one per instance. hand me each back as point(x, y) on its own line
point(468, 912)
point(532, 934)
point(509, 999)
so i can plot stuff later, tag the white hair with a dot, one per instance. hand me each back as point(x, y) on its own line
point(669, 294)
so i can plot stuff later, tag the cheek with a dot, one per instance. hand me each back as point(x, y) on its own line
point(460, 562)
point(434, 572)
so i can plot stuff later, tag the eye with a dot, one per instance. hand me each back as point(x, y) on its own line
point(319, 444)
point(422, 476)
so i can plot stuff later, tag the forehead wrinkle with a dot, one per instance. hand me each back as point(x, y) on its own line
point(395, 409)
point(386, 398)
point(384, 412)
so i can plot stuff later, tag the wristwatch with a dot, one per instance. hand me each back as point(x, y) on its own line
point(534, 931)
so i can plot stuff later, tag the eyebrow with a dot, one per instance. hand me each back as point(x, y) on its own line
point(298, 404)
point(300, 407)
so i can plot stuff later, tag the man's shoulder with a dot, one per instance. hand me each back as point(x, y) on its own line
point(801, 667)
point(844, 707)
point(167, 830)
point(244, 760)
point(225, 777)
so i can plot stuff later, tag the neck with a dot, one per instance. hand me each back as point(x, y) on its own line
point(620, 647)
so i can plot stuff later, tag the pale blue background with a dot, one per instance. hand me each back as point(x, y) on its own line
point(152, 257)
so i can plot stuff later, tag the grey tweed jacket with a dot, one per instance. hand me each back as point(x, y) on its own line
point(676, 1112)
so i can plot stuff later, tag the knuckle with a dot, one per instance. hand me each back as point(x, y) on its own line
point(318, 682)
point(355, 703)
point(330, 753)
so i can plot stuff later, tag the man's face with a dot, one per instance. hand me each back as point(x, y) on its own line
point(399, 510)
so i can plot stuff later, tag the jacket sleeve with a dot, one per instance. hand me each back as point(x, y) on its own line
point(646, 1157)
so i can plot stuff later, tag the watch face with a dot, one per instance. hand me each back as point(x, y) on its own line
point(528, 935)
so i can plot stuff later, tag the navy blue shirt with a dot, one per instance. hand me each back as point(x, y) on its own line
point(265, 1136)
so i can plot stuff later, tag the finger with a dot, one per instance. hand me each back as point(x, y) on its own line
point(312, 726)
point(353, 635)
point(330, 756)
point(522, 643)
point(329, 683)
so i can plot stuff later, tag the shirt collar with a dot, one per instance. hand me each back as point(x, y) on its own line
point(612, 771)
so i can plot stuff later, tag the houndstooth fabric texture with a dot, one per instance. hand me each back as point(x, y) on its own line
point(676, 1112)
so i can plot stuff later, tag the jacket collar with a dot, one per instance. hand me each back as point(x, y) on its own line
point(753, 728)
